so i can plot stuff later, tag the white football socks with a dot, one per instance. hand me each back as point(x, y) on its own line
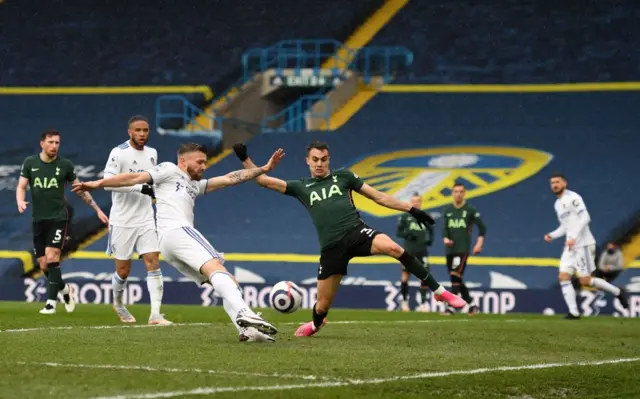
point(231, 312)
point(230, 293)
point(605, 286)
point(569, 294)
point(155, 285)
point(118, 285)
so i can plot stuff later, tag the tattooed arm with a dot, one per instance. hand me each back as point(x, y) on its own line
point(88, 199)
point(233, 178)
point(243, 175)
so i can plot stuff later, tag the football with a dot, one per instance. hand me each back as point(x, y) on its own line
point(286, 297)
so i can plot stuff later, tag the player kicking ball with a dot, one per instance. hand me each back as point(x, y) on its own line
point(580, 246)
point(181, 245)
point(343, 235)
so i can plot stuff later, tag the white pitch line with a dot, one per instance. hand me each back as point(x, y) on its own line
point(116, 326)
point(176, 370)
point(288, 323)
point(331, 384)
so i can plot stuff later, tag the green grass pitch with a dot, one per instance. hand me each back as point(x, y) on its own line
point(360, 354)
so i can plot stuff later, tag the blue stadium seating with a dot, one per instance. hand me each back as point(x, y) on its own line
point(156, 43)
point(517, 42)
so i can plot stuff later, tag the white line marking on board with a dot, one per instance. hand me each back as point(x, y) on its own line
point(210, 390)
point(175, 370)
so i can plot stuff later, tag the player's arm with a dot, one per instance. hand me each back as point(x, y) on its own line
point(23, 182)
point(120, 180)
point(146, 189)
point(262, 180)
point(482, 231)
point(88, 199)
point(390, 202)
point(581, 220)
point(233, 178)
point(243, 175)
point(557, 233)
point(113, 167)
point(21, 193)
point(128, 189)
point(383, 199)
point(265, 181)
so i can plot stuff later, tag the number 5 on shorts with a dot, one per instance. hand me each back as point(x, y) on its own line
point(58, 237)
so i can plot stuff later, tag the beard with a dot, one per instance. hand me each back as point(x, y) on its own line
point(139, 143)
point(194, 174)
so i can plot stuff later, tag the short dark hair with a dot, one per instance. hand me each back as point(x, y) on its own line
point(191, 147)
point(558, 174)
point(137, 118)
point(458, 184)
point(49, 133)
point(318, 145)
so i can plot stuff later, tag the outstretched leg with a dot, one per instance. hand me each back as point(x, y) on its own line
point(327, 288)
point(383, 245)
point(225, 285)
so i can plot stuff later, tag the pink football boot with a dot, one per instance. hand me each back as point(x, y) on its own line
point(308, 329)
point(453, 300)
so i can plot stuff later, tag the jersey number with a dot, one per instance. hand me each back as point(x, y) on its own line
point(178, 186)
point(367, 231)
point(58, 236)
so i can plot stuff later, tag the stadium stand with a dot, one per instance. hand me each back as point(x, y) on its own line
point(167, 42)
point(516, 42)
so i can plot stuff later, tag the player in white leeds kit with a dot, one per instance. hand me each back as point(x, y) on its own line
point(176, 188)
point(580, 247)
point(132, 223)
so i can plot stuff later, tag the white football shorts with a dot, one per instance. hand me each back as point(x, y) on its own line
point(187, 250)
point(123, 240)
point(579, 260)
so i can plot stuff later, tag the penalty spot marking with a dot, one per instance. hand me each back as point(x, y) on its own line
point(332, 384)
point(337, 322)
point(175, 370)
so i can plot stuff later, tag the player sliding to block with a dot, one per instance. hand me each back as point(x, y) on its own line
point(181, 245)
point(343, 235)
